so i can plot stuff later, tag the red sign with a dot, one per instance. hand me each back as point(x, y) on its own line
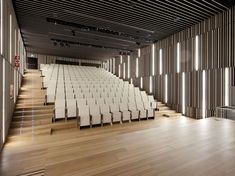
point(17, 61)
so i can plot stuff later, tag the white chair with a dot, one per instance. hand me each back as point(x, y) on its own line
point(90, 101)
point(79, 95)
point(96, 95)
point(108, 101)
point(100, 101)
point(134, 111)
point(60, 96)
point(50, 95)
point(81, 102)
point(116, 100)
point(142, 110)
point(149, 109)
point(88, 95)
point(69, 96)
point(50, 98)
point(126, 114)
point(84, 115)
point(95, 114)
point(105, 112)
point(116, 114)
point(71, 108)
point(153, 102)
point(60, 109)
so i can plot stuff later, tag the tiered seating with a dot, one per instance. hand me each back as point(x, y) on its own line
point(94, 95)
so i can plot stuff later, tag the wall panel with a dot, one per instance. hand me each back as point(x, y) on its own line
point(11, 77)
point(216, 52)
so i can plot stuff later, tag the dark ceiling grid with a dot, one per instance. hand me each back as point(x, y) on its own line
point(148, 20)
point(53, 5)
point(138, 19)
point(97, 9)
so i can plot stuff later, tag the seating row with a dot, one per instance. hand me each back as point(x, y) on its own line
point(94, 114)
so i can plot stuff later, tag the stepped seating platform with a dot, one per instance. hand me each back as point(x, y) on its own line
point(32, 117)
point(94, 96)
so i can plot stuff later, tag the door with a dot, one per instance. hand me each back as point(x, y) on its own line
point(32, 63)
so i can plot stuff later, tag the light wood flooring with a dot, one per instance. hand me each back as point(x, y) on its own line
point(164, 146)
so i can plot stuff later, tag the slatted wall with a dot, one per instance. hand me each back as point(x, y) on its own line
point(216, 51)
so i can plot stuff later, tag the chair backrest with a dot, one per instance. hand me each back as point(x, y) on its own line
point(139, 105)
point(91, 101)
point(71, 103)
point(84, 110)
point(94, 109)
point(150, 98)
point(114, 108)
point(60, 96)
point(88, 95)
point(147, 105)
point(104, 108)
point(60, 103)
point(116, 100)
point(79, 95)
point(81, 102)
point(69, 96)
point(132, 106)
point(96, 95)
point(108, 101)
point(100, 101)
point(124, 100)
point(123, 107)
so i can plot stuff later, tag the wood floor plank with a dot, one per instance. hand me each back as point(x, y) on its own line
point(164, 146)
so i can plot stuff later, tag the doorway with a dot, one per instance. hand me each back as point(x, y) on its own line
point(32, 63)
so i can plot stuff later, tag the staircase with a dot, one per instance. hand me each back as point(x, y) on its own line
point(31, 117)
point(166, 111)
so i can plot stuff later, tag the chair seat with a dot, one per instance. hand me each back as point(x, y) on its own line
point(126, 115)
point(107, 117)
point(84, 120)
point(116, 116)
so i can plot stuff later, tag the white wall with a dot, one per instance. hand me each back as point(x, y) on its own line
point(11, 44)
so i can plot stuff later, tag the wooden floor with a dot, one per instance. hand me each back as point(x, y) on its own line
point(164, 146)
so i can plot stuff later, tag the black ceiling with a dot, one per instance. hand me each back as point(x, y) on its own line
point(99, 29)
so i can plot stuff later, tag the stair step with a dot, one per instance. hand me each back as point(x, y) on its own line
point(34, 122)
point(42, 129)
point(29, 104)
point(62, 125)
point(29, 117)
point(27, 108)
point(30, 101)
point(29, 131)
point(30, 98)
point(34, 112)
